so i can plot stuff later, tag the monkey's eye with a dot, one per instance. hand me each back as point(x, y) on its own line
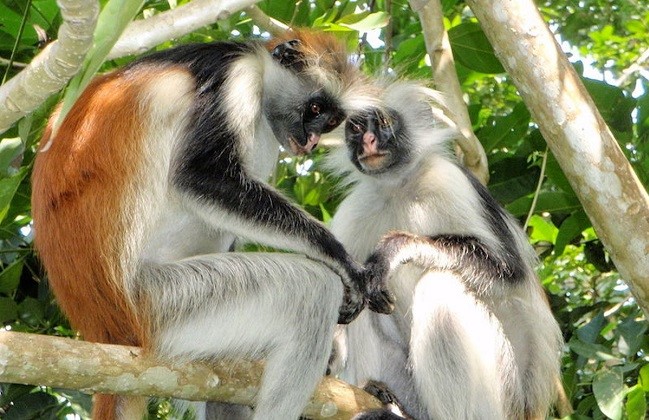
point(385, 122)
point(356, 128)
point(315, 108)
point(333, 122)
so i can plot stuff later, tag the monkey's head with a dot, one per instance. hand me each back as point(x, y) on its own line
point(326, 83)
point(402, 130)
point(377, 141)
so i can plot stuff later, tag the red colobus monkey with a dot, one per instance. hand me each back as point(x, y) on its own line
point(151, 176)
point(472, 335)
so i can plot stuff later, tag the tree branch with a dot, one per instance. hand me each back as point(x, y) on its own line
point(446, 81)
point(54, 66)
point(142, 35)
point(65, 363)
point(265, 22)
point(613, 197)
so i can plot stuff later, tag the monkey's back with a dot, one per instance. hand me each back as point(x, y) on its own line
point(79, 179)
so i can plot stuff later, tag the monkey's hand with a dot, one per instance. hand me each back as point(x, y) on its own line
point(353, 303)
point(380, 299)
point(289, 56)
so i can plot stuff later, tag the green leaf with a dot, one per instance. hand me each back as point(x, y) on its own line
point(609, 390)
point(31, 311)
point(10, 277)
point(636, 403)
point(549, 201)
point(632, 335)
point(361, 23)
point(643, 377)
point(590, 350)
point(8, 187)
point(8, 309)
point(472, 49)
point(571, 228)
point(589, 332)
point(507, 130)
point(542, 230)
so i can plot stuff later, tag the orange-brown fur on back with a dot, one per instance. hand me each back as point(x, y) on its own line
point(78, 187)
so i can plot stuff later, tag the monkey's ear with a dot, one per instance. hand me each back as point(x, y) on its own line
point(289, 56)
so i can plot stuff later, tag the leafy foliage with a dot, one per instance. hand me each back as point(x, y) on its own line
point(605, 364)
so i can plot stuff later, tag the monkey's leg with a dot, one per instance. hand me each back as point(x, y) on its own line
point(281, 307)
point(456, 351)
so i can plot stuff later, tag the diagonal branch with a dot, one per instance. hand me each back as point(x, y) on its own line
point(445, 78)
point(142, 35)
point(54, 66)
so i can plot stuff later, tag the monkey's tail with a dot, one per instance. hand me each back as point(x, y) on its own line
point(116, 407)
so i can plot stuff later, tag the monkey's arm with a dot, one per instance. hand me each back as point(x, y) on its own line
point(252, 209)
point(464, 255)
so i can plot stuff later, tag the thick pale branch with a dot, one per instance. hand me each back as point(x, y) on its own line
point(265, 22)
point(445, 79)
point(589, 155)
point(54, 66)
point(142, 35)
point(90, 367)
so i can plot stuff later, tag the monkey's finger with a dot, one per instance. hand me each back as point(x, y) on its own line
point(382, 301)
point(353, 303)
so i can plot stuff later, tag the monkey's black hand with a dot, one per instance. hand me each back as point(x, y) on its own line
point(289, 56)
point(353, 303)
point(380, 299)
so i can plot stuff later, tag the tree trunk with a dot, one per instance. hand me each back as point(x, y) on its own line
point(613, 197)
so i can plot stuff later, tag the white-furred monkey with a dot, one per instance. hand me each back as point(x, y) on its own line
point(472, 335)
point(143, 188)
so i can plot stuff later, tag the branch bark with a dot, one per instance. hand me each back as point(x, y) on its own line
point(265, 22)
point(54, 66)
point(613, 197)
point(445, 79)
point(90, 367)
point(142, 35)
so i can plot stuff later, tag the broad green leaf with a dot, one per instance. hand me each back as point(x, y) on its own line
point(632, 334)
point(507, 130)
point(542, 230)
point(644, 377)
point(10, 23)
point(612, 103)
point(589, 332)
point(31, 311)
point(571, 228)
point(636, 404)
point(365, 23)
point(8, 187)
point(8, 309)
point(550, 201)
point(281, 10)
point(590, 350)
point(609, 390)
point(10, 277)
point(472, 49)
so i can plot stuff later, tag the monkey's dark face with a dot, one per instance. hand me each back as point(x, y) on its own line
point(377, 141)
point(299, 128)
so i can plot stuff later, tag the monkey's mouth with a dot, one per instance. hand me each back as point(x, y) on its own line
point(373, 161)
point(299, 149)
